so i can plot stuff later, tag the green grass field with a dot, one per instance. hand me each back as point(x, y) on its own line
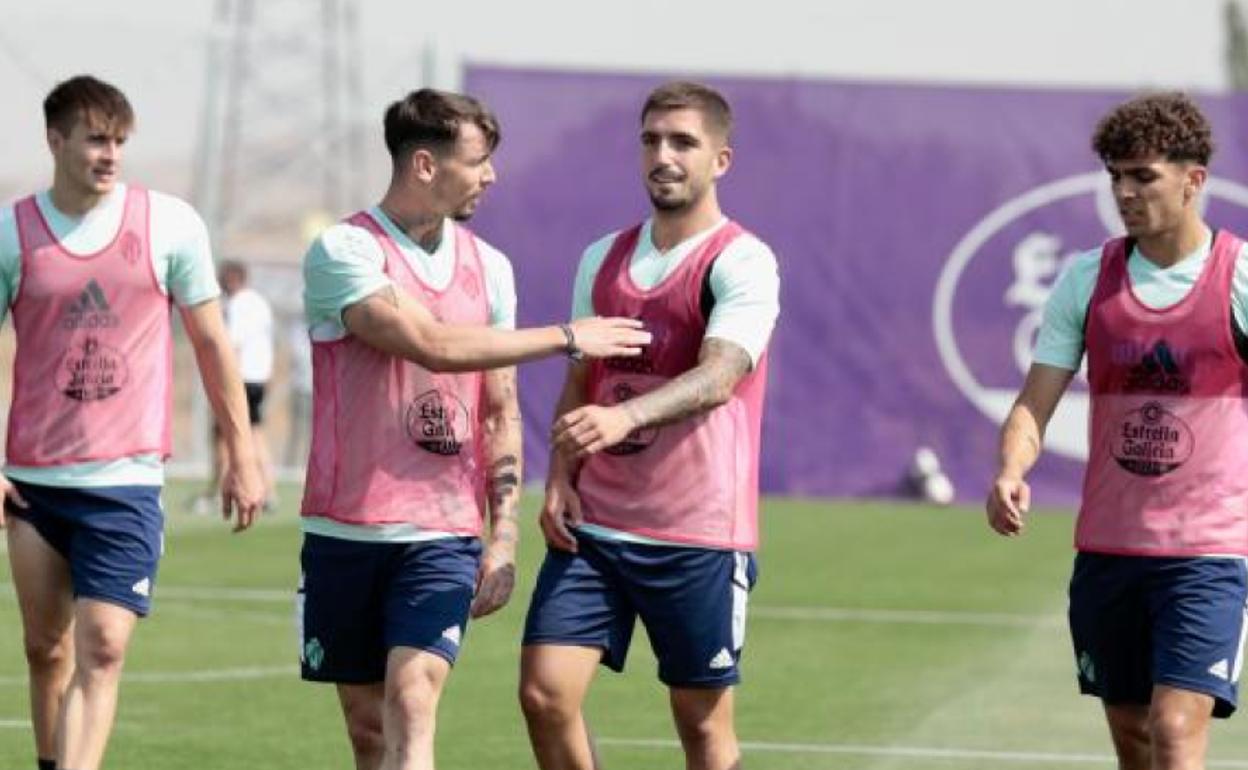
point(881, 635)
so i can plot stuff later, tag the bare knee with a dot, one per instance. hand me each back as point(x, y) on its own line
point(542, 703)
point(415, 704)
point(1129, 729)
point(364, 730)
point(47, 651)
point(102, 649)
point(1174, 731)
point(704, 722)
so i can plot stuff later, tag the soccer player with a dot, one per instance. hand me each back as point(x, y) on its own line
point(651, 502)
point(416, 430)
point(1157, 597)
point(90, 269)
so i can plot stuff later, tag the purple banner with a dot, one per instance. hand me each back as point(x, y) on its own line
point(918, 230)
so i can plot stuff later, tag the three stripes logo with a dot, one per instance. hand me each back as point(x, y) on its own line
point(90, 310)
point(1158, 372)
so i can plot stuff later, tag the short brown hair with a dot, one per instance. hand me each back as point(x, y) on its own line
point(684, 94)
point(86, 98)
point(431, 119)
point(1166, 124)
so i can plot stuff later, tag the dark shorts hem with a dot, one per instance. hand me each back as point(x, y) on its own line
point(547, 640)
point(704, 684)
point(137, 608)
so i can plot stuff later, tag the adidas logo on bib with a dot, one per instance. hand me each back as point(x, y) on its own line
point(452, 635)
point(144, 588)
point(723, 659)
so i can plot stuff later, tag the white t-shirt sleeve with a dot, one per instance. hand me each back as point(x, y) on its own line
point(586, 274)
point(1060, 342)
point(745, 281)
point(343, 265)
point(181, 251)
point(500, 286)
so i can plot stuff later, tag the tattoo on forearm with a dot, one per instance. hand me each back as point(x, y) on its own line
point(504, 481)
point(721, 366)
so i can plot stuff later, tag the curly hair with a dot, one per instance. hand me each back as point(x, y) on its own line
point(1166, 124)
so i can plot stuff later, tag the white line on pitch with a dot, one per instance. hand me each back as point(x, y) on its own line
point(184, 677)
point(925, 617)
point(813, 614)
point(914, 752)
point(14, 724)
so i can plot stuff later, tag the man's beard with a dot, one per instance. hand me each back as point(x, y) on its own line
point(670, 205)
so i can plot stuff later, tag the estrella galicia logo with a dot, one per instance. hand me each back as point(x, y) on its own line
point(89, 310)
point(437, 422)
point(1151, 441)
point(1158, 371)
point(92, 371)
point(990, 296)
point(639, 439)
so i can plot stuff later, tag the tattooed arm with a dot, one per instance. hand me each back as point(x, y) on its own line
point(592, 428)
point(501, 439)
point(1021, 438)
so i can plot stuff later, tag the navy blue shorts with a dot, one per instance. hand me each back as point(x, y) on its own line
point(1140, 621)
point(112, 537)
point(691, 600)
point(359, 600)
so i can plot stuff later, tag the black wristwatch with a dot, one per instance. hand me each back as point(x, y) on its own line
point(570, 347)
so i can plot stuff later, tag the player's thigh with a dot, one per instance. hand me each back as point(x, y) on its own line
point(42, 581)
point(1110, 628)
point(693, 602)
point(116, 546)
point(1199, 608)
point(429, 591)
point(578, 602)
point(340, 610)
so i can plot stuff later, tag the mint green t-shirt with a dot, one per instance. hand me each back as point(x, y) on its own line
point(1060, 340)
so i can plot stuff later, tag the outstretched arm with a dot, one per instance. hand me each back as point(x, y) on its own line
point(592, 428)
point(1021, 438)
point(394, 323)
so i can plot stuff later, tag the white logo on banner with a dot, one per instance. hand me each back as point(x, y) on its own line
point(1037, 259)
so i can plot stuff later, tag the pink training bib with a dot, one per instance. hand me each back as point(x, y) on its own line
point(1167, 469)
point(694, 481)
point(393, 442)
point(93, 373)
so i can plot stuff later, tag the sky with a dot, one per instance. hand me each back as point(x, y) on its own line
point(156, 50)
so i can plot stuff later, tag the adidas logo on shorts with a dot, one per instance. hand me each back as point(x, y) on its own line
point(1221, 669)
point(723, 659)
point(143, 587)
point(452, 635)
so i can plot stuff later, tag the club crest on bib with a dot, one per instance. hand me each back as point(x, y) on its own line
point(437, 422)
point(131, 248)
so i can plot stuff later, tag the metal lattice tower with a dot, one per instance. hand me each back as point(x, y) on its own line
point(279, 139)
point(280, 150)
